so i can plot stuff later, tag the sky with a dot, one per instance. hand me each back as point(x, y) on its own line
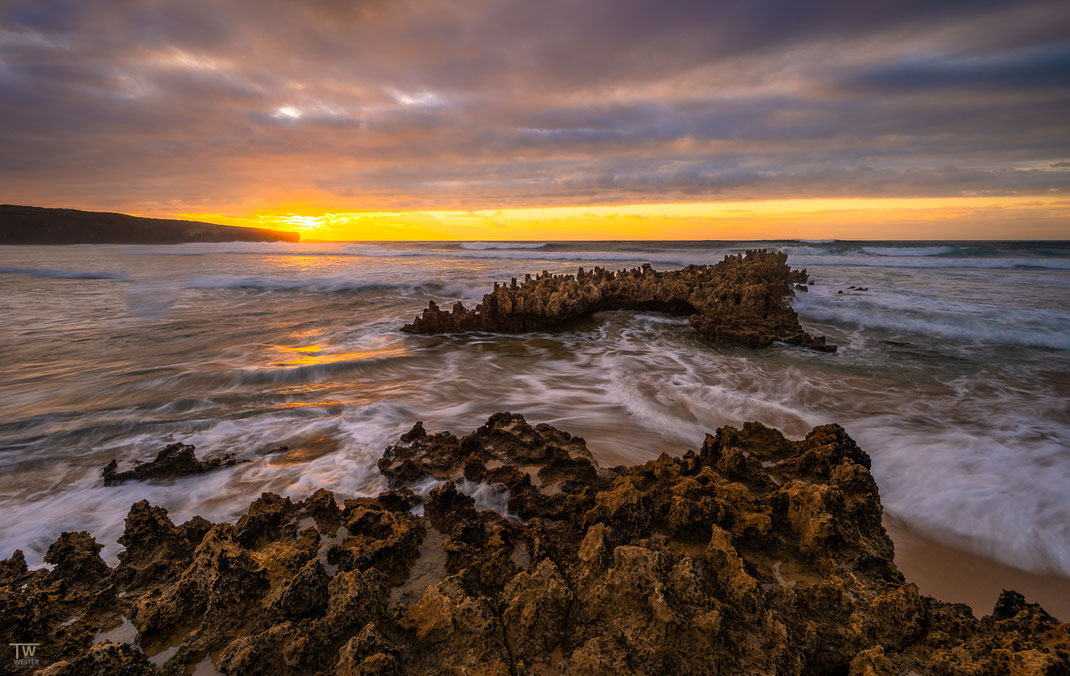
point(555, 119)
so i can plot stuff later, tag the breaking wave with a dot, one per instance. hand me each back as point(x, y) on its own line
point(336, 284)
point(1047, 329)
point(480, 246)
point(531, 251)
point(321, 284)
point(824, 257)
point(911, 250)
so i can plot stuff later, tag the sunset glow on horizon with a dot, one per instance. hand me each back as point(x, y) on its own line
point(842, 218)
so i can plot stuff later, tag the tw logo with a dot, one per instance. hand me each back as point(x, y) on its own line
point(24, 654)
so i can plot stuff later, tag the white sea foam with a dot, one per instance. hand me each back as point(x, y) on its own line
point(223, 495)
point(797, 251)
point(339, 284)
point(685, 394)
point(487, 496)
point(823, 258)
point(998, 488)
point(964, 322)
point(909, 250)
point(478, 246)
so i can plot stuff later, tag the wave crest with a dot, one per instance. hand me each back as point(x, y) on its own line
point(480, 246)
point(910, 250)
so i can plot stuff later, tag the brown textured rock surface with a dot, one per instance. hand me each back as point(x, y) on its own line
point(754, 554)
point(740, 301)
point(175, 460)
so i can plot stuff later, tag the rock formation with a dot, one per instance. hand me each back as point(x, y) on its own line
point(740, 301)
point(175, 460)
point(754, 554)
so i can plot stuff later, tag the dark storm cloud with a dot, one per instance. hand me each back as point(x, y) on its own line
point(1044, 68)
point(485, 103)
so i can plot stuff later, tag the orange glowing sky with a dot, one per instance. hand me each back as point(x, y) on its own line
point(843, 218)
point(892, 218)
point(607, 119)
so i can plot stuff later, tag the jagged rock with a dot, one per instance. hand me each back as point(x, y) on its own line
point(14, 566)
point(368, 654)
point(76, 557)
point(105, 659)
point(303, 595)
point(175, 460)
point(266, 516)
point(563, 467)
point(221, 580)
point(740, 301)
point(535, 610)
point(461, 629)
point(282, 649)
point(155, 547)
point(378, 537)
point(753, 554)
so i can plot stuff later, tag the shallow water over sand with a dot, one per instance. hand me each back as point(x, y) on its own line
point(953, 373)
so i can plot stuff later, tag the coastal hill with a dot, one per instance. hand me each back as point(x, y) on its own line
point(38, 225)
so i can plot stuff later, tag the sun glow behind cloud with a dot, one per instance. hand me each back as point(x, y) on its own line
point(300, 223)
point(288, 112)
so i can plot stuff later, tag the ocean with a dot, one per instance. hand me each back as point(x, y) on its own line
point(953, 373)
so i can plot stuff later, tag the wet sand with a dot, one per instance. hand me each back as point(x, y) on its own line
point(957, 576)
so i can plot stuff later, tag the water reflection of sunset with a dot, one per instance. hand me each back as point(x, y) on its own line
point(312, 359)
point(312, 355)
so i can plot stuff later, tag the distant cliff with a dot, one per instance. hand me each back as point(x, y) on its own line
point(37, 225)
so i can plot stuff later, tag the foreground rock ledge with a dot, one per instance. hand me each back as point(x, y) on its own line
point(754, 554)
point(740, 301)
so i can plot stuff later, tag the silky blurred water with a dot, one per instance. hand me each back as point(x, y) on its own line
point(953, 373)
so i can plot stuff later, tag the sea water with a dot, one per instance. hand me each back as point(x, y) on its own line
point(953, 373)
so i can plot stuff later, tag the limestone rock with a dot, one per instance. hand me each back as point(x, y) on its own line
point(740, 301)
point(175, 460)
point(752, 554)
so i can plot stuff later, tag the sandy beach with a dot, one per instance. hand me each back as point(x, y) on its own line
point(957, 576)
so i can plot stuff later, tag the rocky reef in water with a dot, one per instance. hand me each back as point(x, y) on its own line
point(172, 462)
point(175, 460)
point(743, 300)
point(754, 554)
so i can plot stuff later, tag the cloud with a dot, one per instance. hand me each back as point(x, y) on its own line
point(149, 106)
point(1044, 69)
